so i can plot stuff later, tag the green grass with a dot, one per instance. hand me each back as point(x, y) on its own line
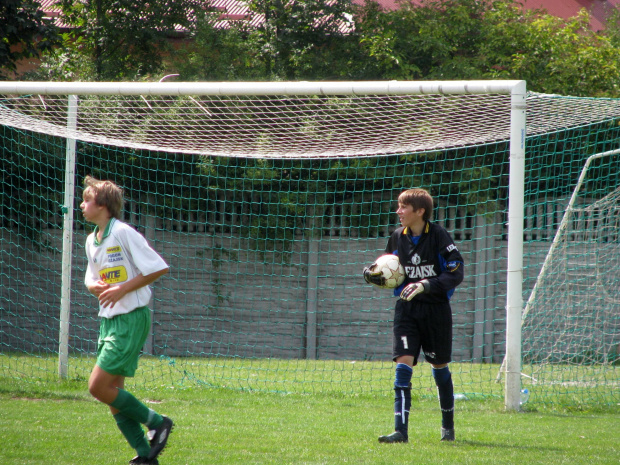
point(51, 422)
point(585, 387)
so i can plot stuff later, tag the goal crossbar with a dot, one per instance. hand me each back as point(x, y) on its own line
point(263, 88)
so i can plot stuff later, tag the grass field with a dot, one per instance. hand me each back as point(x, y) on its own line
point(53, 422)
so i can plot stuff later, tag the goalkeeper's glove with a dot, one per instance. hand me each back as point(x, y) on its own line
point(373, 277)
point(413, 289)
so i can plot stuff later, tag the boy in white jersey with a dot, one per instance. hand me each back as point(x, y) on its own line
point(121, 265)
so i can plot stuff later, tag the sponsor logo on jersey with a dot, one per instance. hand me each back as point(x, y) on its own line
point(416, 259)
point(114, 254)
point(118, 274)
point(452, 247)
point(452, 266)
point(420, 272)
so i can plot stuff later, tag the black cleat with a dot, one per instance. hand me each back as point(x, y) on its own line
point(143, 460)
point(447, 434)
point(160, 437)
point(392, 438)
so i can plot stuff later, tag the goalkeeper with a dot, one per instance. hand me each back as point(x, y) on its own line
point(422, 317)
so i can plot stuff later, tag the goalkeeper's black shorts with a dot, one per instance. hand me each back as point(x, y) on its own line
point(423, 326)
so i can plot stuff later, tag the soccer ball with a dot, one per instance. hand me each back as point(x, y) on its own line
point(392, 270)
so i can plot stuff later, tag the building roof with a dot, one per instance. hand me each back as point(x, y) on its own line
point(598, 9)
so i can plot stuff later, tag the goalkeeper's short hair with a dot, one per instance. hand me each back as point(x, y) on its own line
point(418, 198)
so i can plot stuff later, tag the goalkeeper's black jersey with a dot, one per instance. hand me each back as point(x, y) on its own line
point(432, 256)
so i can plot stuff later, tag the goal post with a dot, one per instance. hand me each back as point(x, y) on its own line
point(514, 287)
point(67, 242)
point(304, 125)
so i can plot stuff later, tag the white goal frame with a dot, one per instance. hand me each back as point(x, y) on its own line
point(515, 88)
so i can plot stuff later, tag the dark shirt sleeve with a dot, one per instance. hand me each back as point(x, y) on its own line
point(452, 267)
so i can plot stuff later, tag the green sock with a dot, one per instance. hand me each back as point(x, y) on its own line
point(133, 432)
point(132, 408)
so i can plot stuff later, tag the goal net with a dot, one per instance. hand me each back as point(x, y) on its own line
point(267, 200)
point(298, 126)
point(571, 323)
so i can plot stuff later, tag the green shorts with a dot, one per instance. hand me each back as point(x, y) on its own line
point(121, 339)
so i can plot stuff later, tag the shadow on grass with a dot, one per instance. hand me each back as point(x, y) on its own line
point(505, 446)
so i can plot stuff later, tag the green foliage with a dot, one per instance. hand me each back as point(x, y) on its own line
point(436, 39)
point(123, 39)
point(24, 33)
point(484, 39)
point(297, 39)
point(551, 54)
point(216, 53)
point(311, 39)
point(612, 27)
point(320, 40)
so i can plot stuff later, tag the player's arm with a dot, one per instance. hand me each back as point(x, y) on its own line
point(113, 294)
point(92, 281)
point(97, 287)
point(450, 277)
point(451, 274)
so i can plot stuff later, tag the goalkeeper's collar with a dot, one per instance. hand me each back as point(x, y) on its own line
point(427, 228)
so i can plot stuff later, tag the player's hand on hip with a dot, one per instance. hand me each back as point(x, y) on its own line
point(97, 288)
point(111, 296)
point(411, 290)
point(374, 277)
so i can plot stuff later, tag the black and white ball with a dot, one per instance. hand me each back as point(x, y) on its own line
point(392, 270)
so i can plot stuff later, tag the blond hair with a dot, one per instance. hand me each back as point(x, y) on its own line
point(106, 194)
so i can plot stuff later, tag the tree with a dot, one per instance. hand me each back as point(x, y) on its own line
point(486, 39)
point(552, 54)
point(124, 39)
point(24, 33)
point(302, 39)
point(436, 39)
point(216, 53)
point(298, 39)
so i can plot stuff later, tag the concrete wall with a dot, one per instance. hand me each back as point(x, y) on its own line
point(222, 299)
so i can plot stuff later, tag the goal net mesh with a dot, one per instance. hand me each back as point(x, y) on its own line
point(275, 127)
point(267, 208)
point(572, 318)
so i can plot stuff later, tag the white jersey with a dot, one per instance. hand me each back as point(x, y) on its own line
point(122, 254)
